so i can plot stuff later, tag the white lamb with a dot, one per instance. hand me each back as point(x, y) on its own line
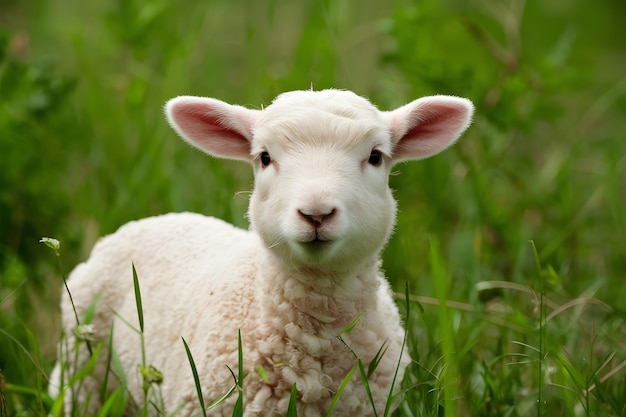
point(320, 213)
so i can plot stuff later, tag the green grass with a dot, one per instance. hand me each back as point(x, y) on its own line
point(500, 326)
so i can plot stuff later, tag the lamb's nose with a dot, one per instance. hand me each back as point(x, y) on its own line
point(316, 219)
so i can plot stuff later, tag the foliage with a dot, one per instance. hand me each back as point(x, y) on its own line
point(31, 95)
point(84, 148)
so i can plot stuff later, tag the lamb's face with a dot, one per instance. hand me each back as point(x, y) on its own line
point(321, 199)
point(321, 161)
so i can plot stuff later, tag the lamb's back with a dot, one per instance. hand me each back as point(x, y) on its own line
point(170, 252)
point(183, 262)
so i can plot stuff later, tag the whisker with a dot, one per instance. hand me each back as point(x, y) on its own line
point(243, 194)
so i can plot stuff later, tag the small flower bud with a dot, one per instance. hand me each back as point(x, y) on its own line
point(52, 243)
point(85, 332)
point(151, 375)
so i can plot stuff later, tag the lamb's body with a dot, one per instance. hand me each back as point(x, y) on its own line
point(191, 304)
point(320, 214)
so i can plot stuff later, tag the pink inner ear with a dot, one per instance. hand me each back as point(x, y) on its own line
point(433, 122)
point(202, 128)
point(214, 127)
point(429, 125)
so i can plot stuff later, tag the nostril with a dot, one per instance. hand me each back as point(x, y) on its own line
point(316, 219)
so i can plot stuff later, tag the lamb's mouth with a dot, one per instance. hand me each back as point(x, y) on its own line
point(316, 243)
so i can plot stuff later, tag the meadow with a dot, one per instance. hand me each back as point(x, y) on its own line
point(512, 243)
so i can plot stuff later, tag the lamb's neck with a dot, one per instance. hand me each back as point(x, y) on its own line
point(320, 302)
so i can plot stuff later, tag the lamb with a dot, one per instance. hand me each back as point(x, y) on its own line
point(320, 213)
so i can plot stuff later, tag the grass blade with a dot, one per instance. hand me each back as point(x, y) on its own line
point(114, 405)
point(138, 298)
point(391, 397)
point(196, 379)
point(107, 371)
point(377, 358)
point(350, 326)
point(87, 369)
point(541, 323)
point(223, 397)
point(367, 385)
point(24, 350)
point(238, 410)
point(292, 410)
point(451, 373)
point(240, 358)
point(343, 385)
point(144, 368)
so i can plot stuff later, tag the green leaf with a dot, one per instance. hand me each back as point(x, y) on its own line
point(138, 297)
point(196, 379)
point(108, 362)
point(223, 397)
point(350, 326)
point(343, 386)
point(90, 312)
point(377, 358)
point(88, 369)
point(366, 384)
point(240, 354)
point(263, 374)
point(238, 410)
point(292, 410)
point(441, 282)
point(391, 397)
point(114, 405)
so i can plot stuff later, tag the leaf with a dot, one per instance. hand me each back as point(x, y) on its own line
point(194, 371)
point(366, 385)
point(90, 312)
point(343, 385)
point(350, 326)
point(377, 358)
point(238, 410)
point(390, 397)
point(108, 363)
point(263, 374)
point(292, 410)
point(138, 297)
point(223, 397)
point(240, 354)
point(88, 369)
point(114, 405)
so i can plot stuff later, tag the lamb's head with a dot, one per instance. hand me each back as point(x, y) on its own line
point(321, 161)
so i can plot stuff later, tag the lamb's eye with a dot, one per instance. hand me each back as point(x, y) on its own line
point(376, 157)
point(265, 159)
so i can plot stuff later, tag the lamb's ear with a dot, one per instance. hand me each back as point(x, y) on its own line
point(427, 126)
point(217, 128)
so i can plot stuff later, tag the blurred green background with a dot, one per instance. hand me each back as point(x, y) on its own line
point(84, 148)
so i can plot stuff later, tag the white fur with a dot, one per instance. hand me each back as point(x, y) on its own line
point(320, 214)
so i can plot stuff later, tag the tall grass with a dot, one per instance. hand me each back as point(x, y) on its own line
point(84, 148)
